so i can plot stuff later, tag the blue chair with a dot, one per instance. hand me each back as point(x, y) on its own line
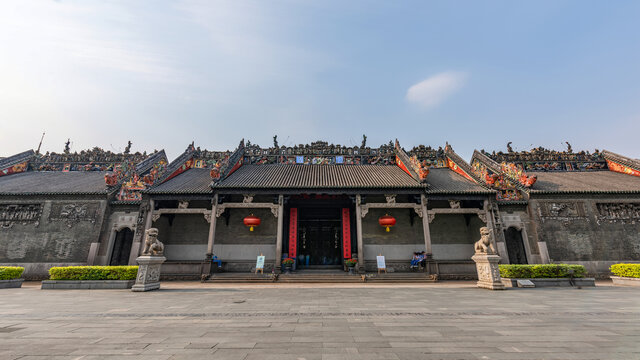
point(217, 261)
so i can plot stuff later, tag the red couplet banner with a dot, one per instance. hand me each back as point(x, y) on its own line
point(346, 234)
point(293, 232)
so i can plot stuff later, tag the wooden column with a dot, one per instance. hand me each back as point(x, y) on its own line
point(206, 265)
point(359, 232)
point(212, 226)
point(425, 224)
point(279, 234)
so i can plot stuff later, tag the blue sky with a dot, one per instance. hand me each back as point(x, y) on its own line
point(475, 74)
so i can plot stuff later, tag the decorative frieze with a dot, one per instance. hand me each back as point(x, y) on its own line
point(25, 214)
point(73, 213)
point(562, 211)
point(623, 213)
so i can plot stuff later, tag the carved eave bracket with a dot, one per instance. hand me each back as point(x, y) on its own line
point(483, 217)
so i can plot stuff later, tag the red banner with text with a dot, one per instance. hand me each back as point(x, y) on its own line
point(346, 234)
point(293, 232)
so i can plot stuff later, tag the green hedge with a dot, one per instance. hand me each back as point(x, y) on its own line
point(541, 271)
point(93, 273)
point(10, 272)
point(626, 270)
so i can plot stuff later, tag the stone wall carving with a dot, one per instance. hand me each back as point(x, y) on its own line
point(562, 211)
point(74, 213)
point(11, 214)
point(622, 213)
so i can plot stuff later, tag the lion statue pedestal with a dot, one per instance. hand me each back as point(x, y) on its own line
point(487, 261)
point(149, 263)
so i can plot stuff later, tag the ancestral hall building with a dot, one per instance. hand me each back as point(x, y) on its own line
point(320, 204)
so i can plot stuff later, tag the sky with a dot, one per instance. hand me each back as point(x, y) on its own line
point(165, 73)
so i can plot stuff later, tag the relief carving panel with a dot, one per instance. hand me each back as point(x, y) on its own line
point(565, 211)
point(11, 214)
point(621, 213)
point(73, 213)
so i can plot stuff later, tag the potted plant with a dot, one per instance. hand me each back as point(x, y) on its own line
point(287, 263)
point(351, 264)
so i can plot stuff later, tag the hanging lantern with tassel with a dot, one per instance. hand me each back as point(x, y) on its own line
point(387, 221)
point(251, 221)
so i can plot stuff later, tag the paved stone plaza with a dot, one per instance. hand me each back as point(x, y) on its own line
point(449, 320)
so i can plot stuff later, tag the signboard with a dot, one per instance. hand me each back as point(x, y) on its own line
point(381, 264)
point(260, 263)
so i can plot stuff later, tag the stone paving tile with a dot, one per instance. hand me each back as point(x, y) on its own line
point(442, 321)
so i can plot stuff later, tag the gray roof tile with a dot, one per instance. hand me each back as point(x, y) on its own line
point(445, 180)
point(585, 181)
point(54, 182)
point(298, 176)
point(192, 181)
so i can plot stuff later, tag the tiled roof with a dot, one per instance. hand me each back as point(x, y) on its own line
point(54, 182)
point(298, 176)
point(16, 159)
point(192, 181)
point(445, 180)
point(585, 181)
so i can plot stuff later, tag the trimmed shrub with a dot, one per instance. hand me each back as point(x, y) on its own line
point(93, 273)
point(541, 271)
point(10, 272)
point(626, 270)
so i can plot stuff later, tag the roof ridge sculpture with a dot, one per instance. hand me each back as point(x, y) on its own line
point(148, 163)
point(16, 163)
point(177, 163)
point(16, 159)
point(411, 165)
point(622, 164)
point(231, 164)
point(462, 164)
point(542, 159)
point(516, 175)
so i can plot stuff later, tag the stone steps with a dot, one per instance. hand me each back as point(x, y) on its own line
point(402, 278)
point(320, 277)
point(240, 278)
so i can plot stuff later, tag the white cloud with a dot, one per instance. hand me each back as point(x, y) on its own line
point(75, 37)
point(433, 90)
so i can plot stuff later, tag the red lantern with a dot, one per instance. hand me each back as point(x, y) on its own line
point(387, 221)
point(251, 221)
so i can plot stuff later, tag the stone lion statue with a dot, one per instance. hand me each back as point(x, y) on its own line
point(152, 246)
point(484, 245)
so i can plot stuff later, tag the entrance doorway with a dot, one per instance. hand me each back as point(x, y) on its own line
point(121, 247)
point(515, 246)
point(319, 236)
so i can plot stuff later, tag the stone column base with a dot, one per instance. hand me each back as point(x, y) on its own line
point(148, 273)
point(488, 272)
